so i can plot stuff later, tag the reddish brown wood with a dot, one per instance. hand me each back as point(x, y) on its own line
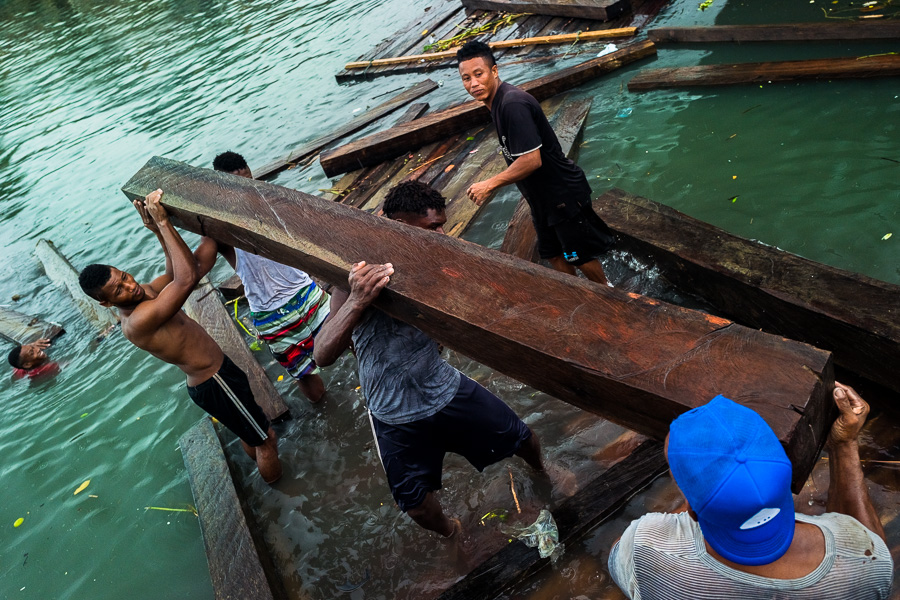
point(600, 10)
point(393, 142)
point(632, 359)
point(790, 32)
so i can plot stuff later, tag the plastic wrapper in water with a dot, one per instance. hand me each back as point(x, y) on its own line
point(542, 534)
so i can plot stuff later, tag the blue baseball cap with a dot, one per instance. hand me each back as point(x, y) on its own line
point(737, 479)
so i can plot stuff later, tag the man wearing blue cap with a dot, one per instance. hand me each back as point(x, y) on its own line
point(738, 536)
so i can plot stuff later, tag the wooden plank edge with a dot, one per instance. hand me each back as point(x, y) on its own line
point(794, 32)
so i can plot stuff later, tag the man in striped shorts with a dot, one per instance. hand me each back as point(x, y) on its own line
point(152, 320)
point(286, 305)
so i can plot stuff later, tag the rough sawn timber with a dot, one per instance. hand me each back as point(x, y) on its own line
point(433, 127)
point(884, 65)
point(578, 515)
point(20, 328)
point(789, 32)
point(855, 317)
point(631, 359)
point(205, 306)
point(239, 564)
point(600, 10)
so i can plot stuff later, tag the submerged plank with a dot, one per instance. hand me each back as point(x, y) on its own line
point(631, 359)
point(854, 316)
point(391, 143)
point(788, 32)
point(239, 565)
point(63, 274)
point(578, 515)
point(21, 329)
point(883, 65)
point(309, 149)
point(205, 307)
point(600, 10)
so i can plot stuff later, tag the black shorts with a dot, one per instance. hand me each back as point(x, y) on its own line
point(227, 397)
point(579, 239)
point(476, 424)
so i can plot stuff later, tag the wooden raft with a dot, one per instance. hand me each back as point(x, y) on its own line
point(239, 564)
point(788, 32)
point(600, 10)
point(633, 360)
point(23, 329)
point(882, 65)
point(854, 316)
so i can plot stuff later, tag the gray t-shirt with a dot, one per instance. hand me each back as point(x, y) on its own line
point(663, 556)
point(268, 284)
point(401, 372)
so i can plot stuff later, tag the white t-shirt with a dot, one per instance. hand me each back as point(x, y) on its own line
point(663, 557)
point(268, 284)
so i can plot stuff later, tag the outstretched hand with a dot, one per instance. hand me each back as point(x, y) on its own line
point(154, 209)
point(42, 343)
point(853, 412)
point(367, 281)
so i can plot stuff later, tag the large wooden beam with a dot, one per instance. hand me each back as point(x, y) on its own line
point(854, 316)
point(578, 515)
point(61, 272)
point(881, 65)
point(393, 142)
point(308, 150)
point(634, 360)
point(20, 328)
point(782, 32)
point(205, 306)
point(239, 564)
point(600, 10)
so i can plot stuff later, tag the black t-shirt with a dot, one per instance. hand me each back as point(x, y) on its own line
point(558, 189)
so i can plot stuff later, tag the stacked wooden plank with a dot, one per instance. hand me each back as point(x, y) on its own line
point(789, 32)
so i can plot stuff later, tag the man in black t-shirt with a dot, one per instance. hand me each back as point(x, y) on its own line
point(569, 232)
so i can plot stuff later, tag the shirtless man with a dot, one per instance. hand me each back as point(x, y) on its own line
point(152, 320)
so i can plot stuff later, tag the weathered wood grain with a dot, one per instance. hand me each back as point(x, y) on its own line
point(787, 32)
point(391, 143)
point(883, 65)
point(239, 564)
point(578, 515)
point(205, 306)
point(63, 275)
point(21, 329)
point(634, 360)
point(854, 316)
point(600, 10)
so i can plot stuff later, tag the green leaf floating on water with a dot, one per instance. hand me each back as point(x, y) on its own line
point(254, 345)
point(734, 198)
point(704, 5)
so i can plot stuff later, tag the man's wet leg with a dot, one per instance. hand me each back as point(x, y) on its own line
point(560, 264)
point(530, 452)
point(431, 516)
point(593, 270)
point(267, 458)
point(312, 387)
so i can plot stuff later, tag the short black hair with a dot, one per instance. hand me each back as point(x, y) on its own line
point(229, 162)
point(474, 49)
point(14, 357)
point(412, 197)
point(92, 279)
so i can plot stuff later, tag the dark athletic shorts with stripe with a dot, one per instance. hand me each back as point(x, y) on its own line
point(475, 424)
point(579, 239)
point(227, 397)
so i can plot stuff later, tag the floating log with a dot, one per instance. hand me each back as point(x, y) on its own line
point(205, 306)
point(239, 563)
point(21, 329)
point(600, 10)
point(565, 38)
point(631, 359)
point(521, 238)
point(854, 316)
point(393, 142)
point(63, 275)
point(578, 515)
point(789, 32)
point(310, 149)
point(879, 65)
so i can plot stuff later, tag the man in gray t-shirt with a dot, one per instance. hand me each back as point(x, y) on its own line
point(420, 407)
point(738, 535)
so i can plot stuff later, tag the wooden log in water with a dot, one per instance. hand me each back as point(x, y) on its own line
point(631, 359)
point(882, 65)
point(205, 306)
point(309, 149)
point(63, 275)
point(391, 143)
point(854, 316)
point(239, 564)
point(578, 515)
point(21, 329)
point(600, 10)
point(232, 287)
point(782, 32)
point(521, 239)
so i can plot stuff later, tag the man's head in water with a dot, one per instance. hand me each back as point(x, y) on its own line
point(478, 71)
point(27, 356)
point(416, 204)
point(232, 162)
point(111, 287)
